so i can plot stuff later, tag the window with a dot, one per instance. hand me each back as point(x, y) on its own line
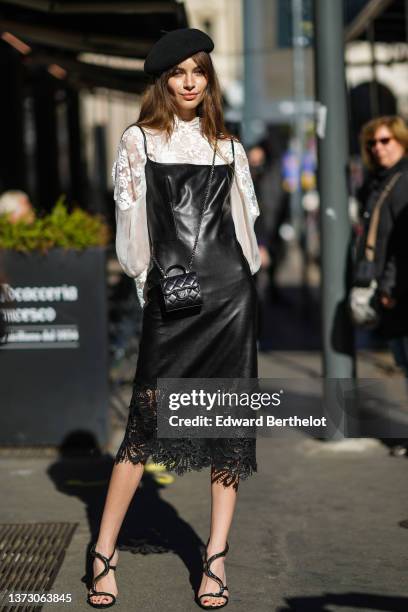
point(284, 23)
point(208, 27)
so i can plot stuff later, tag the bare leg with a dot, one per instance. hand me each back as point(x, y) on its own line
point(223, 500)
point(123, 483)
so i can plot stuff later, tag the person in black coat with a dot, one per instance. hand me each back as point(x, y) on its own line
point(384, 143)
point(265, 167)
point(384, 148)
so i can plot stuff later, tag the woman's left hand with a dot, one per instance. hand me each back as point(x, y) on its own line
point(387, 301)
point(265, 257)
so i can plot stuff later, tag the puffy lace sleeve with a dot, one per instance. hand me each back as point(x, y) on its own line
point(132, 238)
point(245, 209)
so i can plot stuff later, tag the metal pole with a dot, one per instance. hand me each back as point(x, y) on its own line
point(374, 97)
point(337, 331)
point(254, 56)
point(299, 96)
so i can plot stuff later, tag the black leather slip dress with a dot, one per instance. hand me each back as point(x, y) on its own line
point(219, 341)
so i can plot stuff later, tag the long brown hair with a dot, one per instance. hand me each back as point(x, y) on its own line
point(394, 123)
point(158, 110)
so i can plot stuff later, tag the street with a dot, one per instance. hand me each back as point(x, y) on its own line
point(317, 528)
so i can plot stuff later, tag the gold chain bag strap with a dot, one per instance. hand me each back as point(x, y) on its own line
point(363, 306)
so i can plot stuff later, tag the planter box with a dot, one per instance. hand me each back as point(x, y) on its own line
point(54, 366)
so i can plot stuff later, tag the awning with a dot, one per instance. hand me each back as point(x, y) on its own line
point(59, 32)
point(378, 20)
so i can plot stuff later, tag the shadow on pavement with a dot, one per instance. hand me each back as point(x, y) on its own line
point(151, 525)
point(354, 601)
point(290, 320)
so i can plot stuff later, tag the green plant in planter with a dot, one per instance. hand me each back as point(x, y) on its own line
point(59, 229)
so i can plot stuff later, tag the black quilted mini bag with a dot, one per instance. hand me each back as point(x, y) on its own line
point(182, 291)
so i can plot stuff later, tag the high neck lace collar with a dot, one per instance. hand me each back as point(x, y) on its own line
point(194, 124)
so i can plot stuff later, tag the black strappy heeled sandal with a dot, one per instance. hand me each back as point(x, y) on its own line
point(223, 587)
point(105, 571)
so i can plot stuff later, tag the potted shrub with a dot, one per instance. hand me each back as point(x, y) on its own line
point(54, 362)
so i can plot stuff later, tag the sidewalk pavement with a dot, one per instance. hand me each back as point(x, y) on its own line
point(314, 530)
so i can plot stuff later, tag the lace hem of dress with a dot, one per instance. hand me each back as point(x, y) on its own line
point(231, 460)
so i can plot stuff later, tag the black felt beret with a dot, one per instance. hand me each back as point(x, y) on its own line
point(174, 47)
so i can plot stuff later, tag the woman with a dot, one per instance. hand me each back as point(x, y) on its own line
point(164, 173)
point(384, 142)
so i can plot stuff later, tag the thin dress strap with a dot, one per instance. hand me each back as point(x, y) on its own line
point(144, 138)
point(233, 150)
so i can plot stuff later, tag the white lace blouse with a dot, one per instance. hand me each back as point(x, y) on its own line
point(186, 145)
